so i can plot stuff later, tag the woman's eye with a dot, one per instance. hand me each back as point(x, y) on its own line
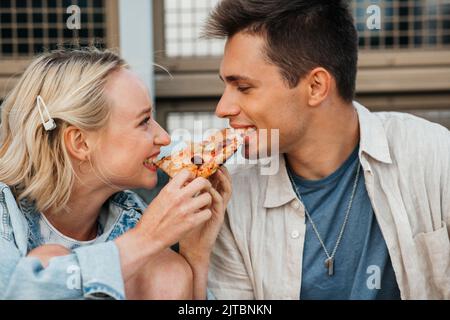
point(146, 121)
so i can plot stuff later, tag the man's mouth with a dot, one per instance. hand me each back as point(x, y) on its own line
point(241, 126)
point(245, 131)
point(249, 134)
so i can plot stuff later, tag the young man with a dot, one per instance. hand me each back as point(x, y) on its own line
point(360, 205)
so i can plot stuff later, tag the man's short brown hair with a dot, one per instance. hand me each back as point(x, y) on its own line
point(300, 36)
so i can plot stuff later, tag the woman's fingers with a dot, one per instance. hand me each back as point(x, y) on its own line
point(200, 217)
point(182, 178)
point(197, 203)
point(215, 195)
point(196, 186)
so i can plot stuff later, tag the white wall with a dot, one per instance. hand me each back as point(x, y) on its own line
point(136, 38)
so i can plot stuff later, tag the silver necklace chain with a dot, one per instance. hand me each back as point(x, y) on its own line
point(329, 262)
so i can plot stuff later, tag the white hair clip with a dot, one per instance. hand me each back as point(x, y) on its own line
point(50, 124)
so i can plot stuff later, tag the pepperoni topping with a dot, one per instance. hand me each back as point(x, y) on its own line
point(198, 160)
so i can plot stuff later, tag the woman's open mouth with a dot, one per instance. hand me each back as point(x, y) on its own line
point(148, 163)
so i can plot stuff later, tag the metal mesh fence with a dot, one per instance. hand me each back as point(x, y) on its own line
point(402, 24)
point(31, 26)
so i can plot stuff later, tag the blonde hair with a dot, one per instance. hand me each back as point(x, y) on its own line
point(33, 161)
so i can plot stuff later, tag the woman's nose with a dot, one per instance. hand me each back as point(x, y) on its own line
point(161, 136)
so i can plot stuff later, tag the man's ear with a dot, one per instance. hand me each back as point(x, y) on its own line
point(76, 143)
point(319, 83)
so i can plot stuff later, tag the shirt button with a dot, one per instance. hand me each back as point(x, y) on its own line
point(295, 204)
point(295, 234)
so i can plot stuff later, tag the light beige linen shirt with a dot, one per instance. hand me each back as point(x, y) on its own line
point(406, 162)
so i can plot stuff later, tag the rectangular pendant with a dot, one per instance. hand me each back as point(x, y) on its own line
point(329, 264)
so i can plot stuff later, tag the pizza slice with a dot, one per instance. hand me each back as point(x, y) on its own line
point(205, 158)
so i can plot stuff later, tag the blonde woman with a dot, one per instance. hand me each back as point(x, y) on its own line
point(76, 134)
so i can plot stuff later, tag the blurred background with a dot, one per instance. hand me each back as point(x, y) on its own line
point(404, 66)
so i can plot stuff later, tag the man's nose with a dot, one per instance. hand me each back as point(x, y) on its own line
point(227, 107)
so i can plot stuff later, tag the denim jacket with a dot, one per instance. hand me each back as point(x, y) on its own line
point(89, 272)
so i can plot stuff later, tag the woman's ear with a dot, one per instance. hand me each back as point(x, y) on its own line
point(76, 143)
point(319, 83)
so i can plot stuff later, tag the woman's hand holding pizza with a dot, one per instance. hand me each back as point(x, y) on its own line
point(182, 206)
point(198, 243)
point(196, 247)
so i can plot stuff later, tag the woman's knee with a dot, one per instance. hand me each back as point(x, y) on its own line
point(177, 277)
point(169, 277)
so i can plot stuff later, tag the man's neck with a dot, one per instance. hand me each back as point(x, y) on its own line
point(85, 204)
point(324, 149)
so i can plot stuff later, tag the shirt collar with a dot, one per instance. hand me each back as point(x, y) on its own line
point(279, 190)
point(373, 141)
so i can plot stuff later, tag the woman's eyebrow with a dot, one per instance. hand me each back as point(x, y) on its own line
point(148, 110)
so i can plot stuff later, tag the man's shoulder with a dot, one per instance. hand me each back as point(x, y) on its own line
point(411, 125)
point(412, 134)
